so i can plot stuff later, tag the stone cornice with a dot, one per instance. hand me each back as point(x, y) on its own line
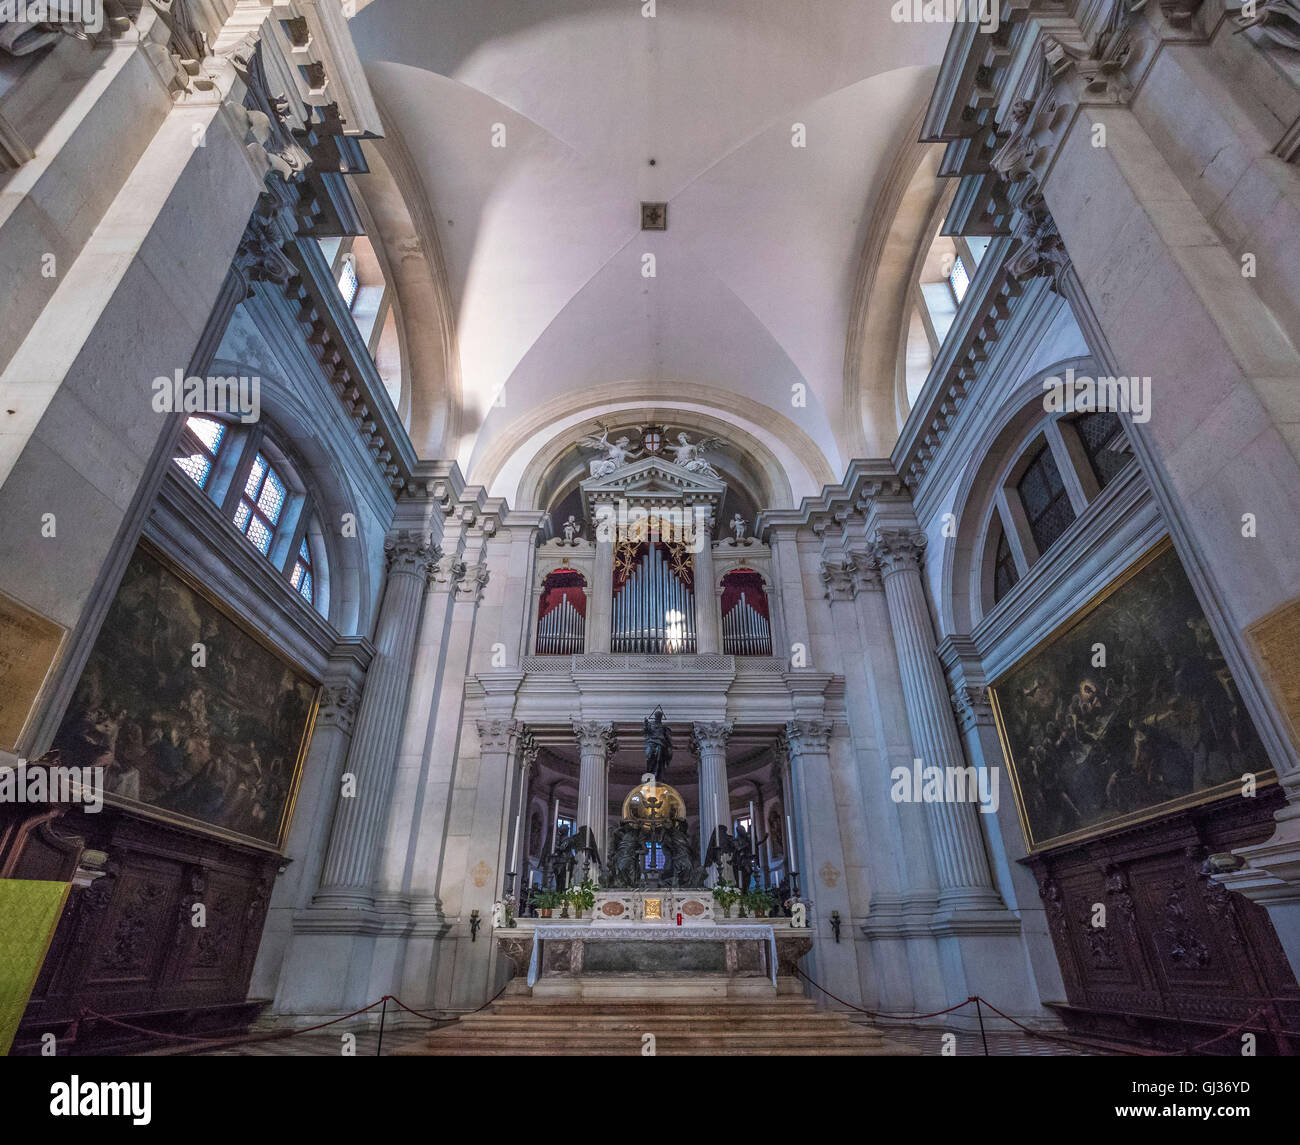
point(865, 482)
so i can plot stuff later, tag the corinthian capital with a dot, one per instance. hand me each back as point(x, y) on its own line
point(710, 736)
point(894, 549)
point(472, 582)
point(498, 735)
point(804, 737)
point(411, 552)
point(593, 737)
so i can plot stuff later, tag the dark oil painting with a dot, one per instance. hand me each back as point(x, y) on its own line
point(1160, 725)
point(220, 743)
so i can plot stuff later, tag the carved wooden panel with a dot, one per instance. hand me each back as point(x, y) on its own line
point(1179, 957)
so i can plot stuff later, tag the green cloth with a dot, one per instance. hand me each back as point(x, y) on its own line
point(29, 912)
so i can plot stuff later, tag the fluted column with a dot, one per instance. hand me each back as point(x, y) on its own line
point(708, 604)
point(709, 742)
point(359, 816)
point(528, 751)
point(963, 868)
point(596, 745)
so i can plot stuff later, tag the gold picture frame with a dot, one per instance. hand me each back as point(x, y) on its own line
point(308, 695)
point(1026, 780)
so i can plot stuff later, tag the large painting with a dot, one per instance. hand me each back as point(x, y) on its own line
point(1126, 712)
point(217, 743)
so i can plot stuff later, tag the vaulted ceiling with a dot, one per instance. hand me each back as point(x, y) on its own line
point(601, 107)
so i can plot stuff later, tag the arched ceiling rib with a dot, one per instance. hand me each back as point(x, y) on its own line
point(755, 276)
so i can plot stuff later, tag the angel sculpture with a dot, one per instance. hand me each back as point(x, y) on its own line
point(722, 853)
point(690, 456)
point(738, 526)
point(616, 453)
point(572, 530)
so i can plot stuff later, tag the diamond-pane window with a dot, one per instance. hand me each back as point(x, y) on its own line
point(301, 578)
point(259, 534)
point(271, 499)
point(959, 280)
point(1005, 573)
point(199, 445)
point(1046, 501)
point(1103, 441)
point(348, 283)
point(260, 507)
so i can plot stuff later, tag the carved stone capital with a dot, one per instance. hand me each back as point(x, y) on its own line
point(839, 578)
point(970, 704)
point(1039, 248)
point(528, 752)
point(446, 573)
point(411, 554)
point(498, 735)
point(808, 737)
point(594, 737)
point(471, 583)
point(339, 704)
point(896, 549)
point(710, 736)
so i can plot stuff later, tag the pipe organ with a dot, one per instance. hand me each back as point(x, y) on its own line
point(561, 631)
point(562, 615)
point(746, 631)
point(654, 609)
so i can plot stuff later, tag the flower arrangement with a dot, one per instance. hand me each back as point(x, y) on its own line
point(725, 895)
point(758, 902)
point(547, 901)
point(581, 896)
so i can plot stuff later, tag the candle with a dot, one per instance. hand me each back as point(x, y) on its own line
point(753, 827)
point(515, 857)
point(789, 839)
point(589, 813)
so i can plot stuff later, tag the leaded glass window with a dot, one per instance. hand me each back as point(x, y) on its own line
point(260, 506)
point(201, 441)
point(1046, 500)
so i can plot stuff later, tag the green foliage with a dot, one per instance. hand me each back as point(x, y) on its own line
point(725, 895)
point(547, 900)
point(756, 900)
point(582, 896)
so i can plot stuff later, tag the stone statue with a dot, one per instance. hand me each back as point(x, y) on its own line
point(722, 854)
point(498, 915)
point(658, 745)
point(691, 456)
point(572, 530)
point(745, 857)
point(738, 526)
point(578, 848)
point(625, 856)
point(680, 868)
point(616, 453)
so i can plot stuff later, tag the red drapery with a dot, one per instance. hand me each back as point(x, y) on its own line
point(560, 585)
point(748, 582)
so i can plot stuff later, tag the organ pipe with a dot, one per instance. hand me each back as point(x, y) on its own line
point(654, 610)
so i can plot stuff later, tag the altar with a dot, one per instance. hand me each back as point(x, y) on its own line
point(740, 949)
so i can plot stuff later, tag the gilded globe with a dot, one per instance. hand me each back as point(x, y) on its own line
point(654, 802)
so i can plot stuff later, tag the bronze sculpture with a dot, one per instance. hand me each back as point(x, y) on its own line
point(658, 744)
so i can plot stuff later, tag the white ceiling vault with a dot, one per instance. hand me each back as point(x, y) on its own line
point(541, 237)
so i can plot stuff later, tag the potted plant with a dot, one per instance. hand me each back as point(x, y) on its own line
point(758, 902)
point(581, 897)
point(726, 897)
point(546, 902)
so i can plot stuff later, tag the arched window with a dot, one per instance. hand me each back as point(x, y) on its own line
point(1044, 489)
point(746, 626)
point(257, 489)
point(562, 614)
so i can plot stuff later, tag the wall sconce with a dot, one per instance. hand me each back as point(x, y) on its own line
point(835, 924)
point(474, 923)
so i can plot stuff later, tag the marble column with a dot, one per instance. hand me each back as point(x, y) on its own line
point(965, 881)
point(596, 745)
point(708, 604)
point(359, 819)
point(709, 742)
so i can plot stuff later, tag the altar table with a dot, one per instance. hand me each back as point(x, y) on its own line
point(653, 932)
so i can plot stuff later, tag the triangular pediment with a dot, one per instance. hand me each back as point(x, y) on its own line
point(652, 476)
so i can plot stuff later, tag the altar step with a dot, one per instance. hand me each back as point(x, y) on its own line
point(775, 1025)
